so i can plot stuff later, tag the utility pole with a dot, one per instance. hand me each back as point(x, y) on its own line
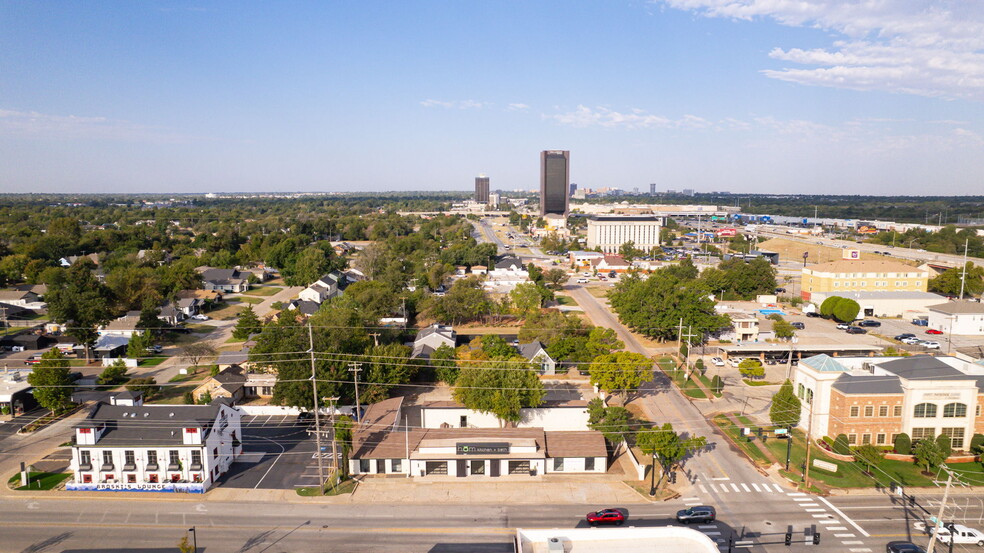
point(317, 416)
point(809, 443)
point(375, 337)
point(334, 442)
point(939, 518)
point(963, 277)
point(355, 369)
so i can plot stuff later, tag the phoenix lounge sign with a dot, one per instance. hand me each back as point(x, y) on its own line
point(488, 448)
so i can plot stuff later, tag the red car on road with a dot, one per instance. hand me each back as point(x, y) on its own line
point(606, 516)
point(933, 331)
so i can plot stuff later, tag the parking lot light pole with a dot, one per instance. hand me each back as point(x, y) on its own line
point(652, 477)
point(789, 446)
point(194, 538)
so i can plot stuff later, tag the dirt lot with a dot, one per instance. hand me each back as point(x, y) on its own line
point(793, 250)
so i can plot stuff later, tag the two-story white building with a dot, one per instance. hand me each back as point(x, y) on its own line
point(162, 448)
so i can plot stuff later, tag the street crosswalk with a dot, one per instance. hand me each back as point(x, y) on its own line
point(829, 521)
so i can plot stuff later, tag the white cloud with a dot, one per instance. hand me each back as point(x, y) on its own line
point(518, 107)
point(459, 104)
point(32, 124)
point(924, 47)
point(584, 116)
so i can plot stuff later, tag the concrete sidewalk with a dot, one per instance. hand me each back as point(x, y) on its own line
point(503, 492)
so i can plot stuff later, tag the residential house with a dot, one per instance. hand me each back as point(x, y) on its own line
point(228, 383)
point(224, 280)
point(208, 297)
point(325, 288)
point(190, 307)
point(583, 259)
point(305, 307)
point(170, 314)
point(609, 263)
point(536, 353)
point(20, 298)
point(431, 338)
point(126, 326)
point(108, 346)
point(154, 447)
point(70, 260)
point(958, 317)
point(508, 272)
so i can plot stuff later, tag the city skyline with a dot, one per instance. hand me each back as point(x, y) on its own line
point(751, 96)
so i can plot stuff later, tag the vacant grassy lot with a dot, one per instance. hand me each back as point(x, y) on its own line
point(39, 480)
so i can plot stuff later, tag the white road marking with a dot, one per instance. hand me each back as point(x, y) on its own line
point(722, 478)
point(743, 485)
point(801, 499)
point(735, 486)
point(702, 488)
point(828, 521)
point(811, 504)
point(845, 517)
point(756, 487)
point(844, 536)
point(853, 542)
point(816, 510)
point(860, 550)
point(723, 488)
point(835, 528)
point(821, 516)
point(795, 494)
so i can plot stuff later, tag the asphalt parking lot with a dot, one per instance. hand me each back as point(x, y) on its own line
point(278, 453)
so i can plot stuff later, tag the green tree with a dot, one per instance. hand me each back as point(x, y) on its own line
point(343, 437)
point(555, 277)
point(247, 323)
point(52, 381)
point(783, 328)
point(870, 455)
point(903, 444)
point(846, 310)
point(388, 366)
point(496, 347)
point(828, 306)
point(785, 409)
point(81, 302)
point(466, 301)
point(621, 373)
point(842, 445)
point(751, 368)
point(667, 447)
point(628, 251)
point(500, 387)
point(613, 422)
point(113, 375)
point(310, 265)
point(949, 281)
point(526, 298)
point(977, 444)
point(655, 306)
point(945, 444)
point(928, 453)
point(139, 343)
point(205, 398)
point(444, 364)
point(717, 384)
point(145, 385)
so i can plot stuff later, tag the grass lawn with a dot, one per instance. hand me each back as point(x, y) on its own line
point(759, 382)
point(247, 299)
point(852, 475)
point(201, 373)
point(347, 486)
point(39, 480)
point(679, 377)
point(227, 313)
point(565, 300)
point(198, 329)
point(153, 361)
point(735, 434)
point(263, 291)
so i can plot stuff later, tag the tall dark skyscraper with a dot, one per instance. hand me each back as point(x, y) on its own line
point(554, 178)
point(482, 189)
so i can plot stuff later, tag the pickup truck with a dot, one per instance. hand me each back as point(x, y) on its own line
point(958, 533)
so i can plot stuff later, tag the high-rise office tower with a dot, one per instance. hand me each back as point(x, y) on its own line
point(573, 188)
point(554, 179)
point(482, 189)
point(652, 188)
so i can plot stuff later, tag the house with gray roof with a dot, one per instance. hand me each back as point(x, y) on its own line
point(431, 338)
point(535, 352)
point(154, 447)
point(224, 280)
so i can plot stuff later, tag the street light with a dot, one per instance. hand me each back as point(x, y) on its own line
point(652, 477)
point(194, 538)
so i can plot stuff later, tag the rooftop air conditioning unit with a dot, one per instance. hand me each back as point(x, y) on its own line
point(866, 366)
point(554, 545)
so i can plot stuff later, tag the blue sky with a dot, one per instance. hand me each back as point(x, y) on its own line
point(767, 96)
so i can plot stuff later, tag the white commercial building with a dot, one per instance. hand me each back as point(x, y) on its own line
point(164, 448)
point(902, 303)
point(610, 232)
point(958, 317)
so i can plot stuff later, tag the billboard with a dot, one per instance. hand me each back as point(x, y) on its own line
point(726, 232)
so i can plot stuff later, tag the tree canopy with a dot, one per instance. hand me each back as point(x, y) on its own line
point(500, 387)
point(52, 381)
point(786, 407)
point(621, 373)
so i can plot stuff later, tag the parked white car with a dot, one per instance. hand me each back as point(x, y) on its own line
point(582, 281)
point(200, 317)
point(930, 344)
point(717, 361)
point(959, 534)
point(910, 341)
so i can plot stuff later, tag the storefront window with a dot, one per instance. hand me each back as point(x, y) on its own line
point(589, 463)
point(558, 464)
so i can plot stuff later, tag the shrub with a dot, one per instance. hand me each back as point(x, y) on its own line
point(841, 445)
point(943, 442)
point(977, 444)
point(189, 399)
point(846, 310)
point(828, 305)
point(903, 444)
point(717, 384)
